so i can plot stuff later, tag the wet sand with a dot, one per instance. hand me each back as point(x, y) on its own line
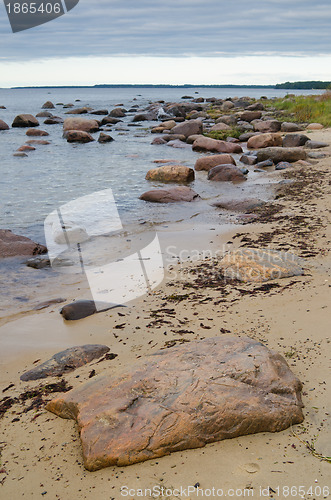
point(41, 453)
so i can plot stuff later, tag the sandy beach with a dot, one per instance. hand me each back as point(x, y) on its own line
point(40, 453)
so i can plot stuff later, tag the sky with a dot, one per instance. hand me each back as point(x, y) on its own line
point(172, 41)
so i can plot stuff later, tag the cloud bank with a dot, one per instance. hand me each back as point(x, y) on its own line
point(175, 28)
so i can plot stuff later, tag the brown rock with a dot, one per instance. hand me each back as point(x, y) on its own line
point(158, 141)
point(54, 120)
point(66, 361)
point(190, 127)
point(208, 162)
point(247, 135)
point(117, 113)
point(48, 105)
point(267, 126)
point(203, 143)
point(290, 127)
point(315, 126)
point(77, 136)
point(252, 265)
point(12, 245)
point(25, 120)
point(83, 124)
point(240, 205)
point(230, 120)
point(171, 195)
point(264, 141)
point(256, 106)
point(174, 137)
point(26, 148)
point(248, 159)
point(219, 127)
point(181, 398)
point(109, 120)
point(44, 114)
point(226, 173)
point(171, 173)
point(281, 154)
point(248, 116)
point(99, 112)
point(105, 138)
point(192, 138)
point(168, 124)
point(78, 111)
point(33, 132)
point(3, 125)
point(41, 142)
point(227, 105)
point(38, 141)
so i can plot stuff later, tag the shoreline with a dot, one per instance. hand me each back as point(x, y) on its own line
point(41, 452)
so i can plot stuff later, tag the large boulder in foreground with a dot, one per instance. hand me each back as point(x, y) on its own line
point(252, 265)
point(181, 398)
point(171, 195)
point(83, 124)
point(277, 154)
point(66, 361)
point(210, 161)
point(226, 173)
point(203, 143)
point(190, 127)
point(12, 245)
point(171, 173)
point(25, 120)
point(264, 141)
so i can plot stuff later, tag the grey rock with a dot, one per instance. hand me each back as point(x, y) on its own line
point(66, 361)
point(278, 154)
point(294, 140)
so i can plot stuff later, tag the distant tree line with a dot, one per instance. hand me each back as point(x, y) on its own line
point(304, 85)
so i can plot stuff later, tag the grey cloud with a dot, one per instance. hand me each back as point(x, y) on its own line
point(175, 28)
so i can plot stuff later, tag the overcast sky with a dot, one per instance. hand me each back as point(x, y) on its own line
point(172, 41)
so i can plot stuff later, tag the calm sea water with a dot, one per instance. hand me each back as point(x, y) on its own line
point(32, 187)
point(54, 174)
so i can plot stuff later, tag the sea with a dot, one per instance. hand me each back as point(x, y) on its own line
point(53, 175)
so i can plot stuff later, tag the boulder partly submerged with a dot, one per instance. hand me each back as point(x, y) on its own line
point(66, 361)
point(181, 398)
point(171, 173)
point(12, 245)
point(170, 195)
point(253, 265)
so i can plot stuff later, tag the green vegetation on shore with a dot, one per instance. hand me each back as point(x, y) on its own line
point(306, 108)
point(313, 84)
